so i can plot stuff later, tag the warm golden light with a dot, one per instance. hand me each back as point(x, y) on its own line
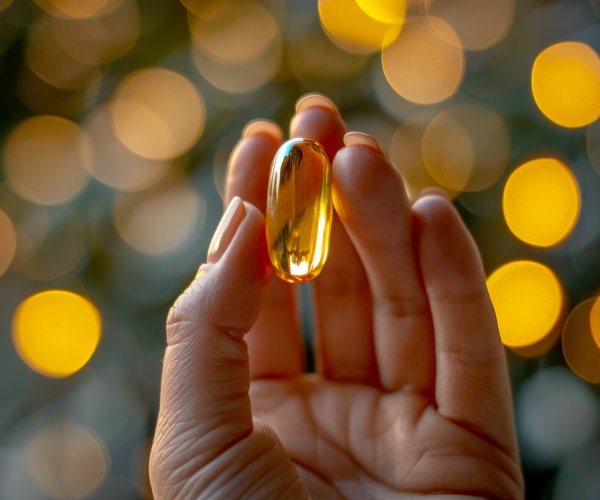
point(237, 32)
point(50, 62)
point(66, 460)
point(466, 147)
point(157, 113)
point(595, 321)
point(421, 65)
point(580, 350)
point(478, 23)
point(239, 78)
point(352, 29)
point(45, 159)
point(77, 9)
point(405, 153)
point(8, 242)
point(385, 11)
point(161, 219)
point(56, 332)
point(527, 297)
point(100, 40)
point(565, 81)
point(541, 202)
point(114, 164)
point(5, 4)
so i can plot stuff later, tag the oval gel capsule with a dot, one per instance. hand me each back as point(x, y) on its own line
point(299, 210)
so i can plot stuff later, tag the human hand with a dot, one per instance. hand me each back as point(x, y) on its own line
point(411, 395)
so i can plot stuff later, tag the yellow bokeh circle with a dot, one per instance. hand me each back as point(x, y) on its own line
point(386, 11)
point(528, 300)
point(541, 202)
point(352, 29)
point(56, 332)
point(565, 82)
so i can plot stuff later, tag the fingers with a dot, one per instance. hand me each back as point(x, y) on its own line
point(373, 206)
point(274, 342)
point(344, 343)
point(472, 385)
point(250, 163)
point(204, 403)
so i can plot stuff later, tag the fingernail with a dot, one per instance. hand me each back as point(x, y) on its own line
point(315, 100)
point(433, 191)
point(226, 229)
point(262, 126)
point(362, 139)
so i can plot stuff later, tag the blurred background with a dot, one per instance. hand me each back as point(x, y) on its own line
point(117, 118)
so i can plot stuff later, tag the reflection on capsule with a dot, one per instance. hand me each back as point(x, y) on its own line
point(299, 210)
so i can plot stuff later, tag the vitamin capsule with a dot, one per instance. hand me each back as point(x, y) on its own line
point(299, 210)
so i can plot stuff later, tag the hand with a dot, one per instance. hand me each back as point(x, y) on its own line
point(411, 395)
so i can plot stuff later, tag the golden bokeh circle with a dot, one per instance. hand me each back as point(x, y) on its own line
point(56, 332)
point(541, 202)
point(423, 66)
point(528, 300)
point(565, 82)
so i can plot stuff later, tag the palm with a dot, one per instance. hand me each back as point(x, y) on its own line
point(355, 441)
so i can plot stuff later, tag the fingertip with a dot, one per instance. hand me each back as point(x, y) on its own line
point(434, 190)
point(314, 99)
point(362, 139)
point(319, 122)
point(249, 165)
point(262, 126)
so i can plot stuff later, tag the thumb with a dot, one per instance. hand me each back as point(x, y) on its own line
point(204, 403)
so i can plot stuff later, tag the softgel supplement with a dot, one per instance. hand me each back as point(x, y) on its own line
point(299, 210)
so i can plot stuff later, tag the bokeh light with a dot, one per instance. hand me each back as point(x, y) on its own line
point(44, 98)
point(405, 153)
point(236, 33)
point(45, 158)
point(352, 29)
point(5, 4)
point(56, 332)
point(113, 163)
point(239, 78)
point(8, 237)
point(528, 300)
point(100, 40)
point(466, 147)
point(161, 219)
point(422, 65)
point(580, 350)
point(66, 460)
point(541, 202)
point(386, 11)
point(157, 113)
point(76, 9)
point(595, 321)
point(565, 81)
point(52, 63)
point(557, 414)
point(478, 23)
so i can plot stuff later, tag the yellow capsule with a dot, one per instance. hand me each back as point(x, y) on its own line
point(299, 210)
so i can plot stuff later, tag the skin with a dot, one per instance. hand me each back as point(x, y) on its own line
point(411, 395)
